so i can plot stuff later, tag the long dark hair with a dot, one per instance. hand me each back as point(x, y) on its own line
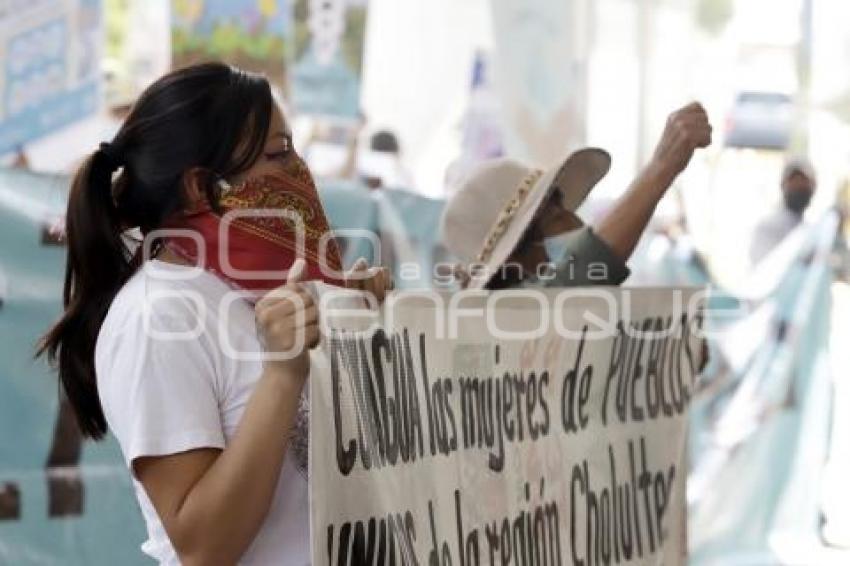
point(211, 116)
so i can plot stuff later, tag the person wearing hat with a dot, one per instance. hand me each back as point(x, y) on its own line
point(510, 225)
point(798, 186)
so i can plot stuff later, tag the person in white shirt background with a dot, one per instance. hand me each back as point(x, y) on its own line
point(215, 442)
point(798, 186)
point(381, 166)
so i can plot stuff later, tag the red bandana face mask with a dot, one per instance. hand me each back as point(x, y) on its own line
point(265, 224)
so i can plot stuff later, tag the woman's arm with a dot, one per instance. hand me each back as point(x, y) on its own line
point(213, 502)
point(687, 129)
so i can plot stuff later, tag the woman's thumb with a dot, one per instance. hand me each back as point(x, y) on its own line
point(297, 272)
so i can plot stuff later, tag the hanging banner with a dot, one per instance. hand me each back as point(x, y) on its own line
point(62, 501)
point(504, 428)
point(326, 73)
point(762, 433)
point(541, 74)
point(50, 75)
point(250, 34)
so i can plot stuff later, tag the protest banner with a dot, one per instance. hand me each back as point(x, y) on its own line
point(246, 33)
point(514, 427)
point(51, 67)
point(328, 57)
point(761, 434)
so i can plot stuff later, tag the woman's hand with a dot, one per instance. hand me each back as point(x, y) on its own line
point(287, 325)
point(374, 280)
point(213, 502)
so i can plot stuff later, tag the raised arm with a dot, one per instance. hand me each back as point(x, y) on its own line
point(687, 129)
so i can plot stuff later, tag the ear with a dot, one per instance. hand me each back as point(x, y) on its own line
point(195, 185)
point(194, 193)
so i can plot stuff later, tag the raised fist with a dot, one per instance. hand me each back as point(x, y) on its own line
point(687, 129)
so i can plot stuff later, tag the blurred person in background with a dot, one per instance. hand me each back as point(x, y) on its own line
point(381, 164)
point(335, 150)
point(216, 443)
point(331, 148)
point(798, 185)
point(513, 226)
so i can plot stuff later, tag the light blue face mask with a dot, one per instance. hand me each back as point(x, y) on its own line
point(557, 247)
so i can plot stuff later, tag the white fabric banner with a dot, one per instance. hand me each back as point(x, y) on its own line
point(504, 428)
point(541, 71)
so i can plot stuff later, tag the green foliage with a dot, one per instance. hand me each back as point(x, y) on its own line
point(224, 40)
point(301, 31)
point(354, 39)
point(713, 15)
point(228, 41)
point(116, 15)
point(184, 41)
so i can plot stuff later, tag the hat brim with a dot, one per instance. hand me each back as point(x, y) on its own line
point(574, 179)
point(577, 176)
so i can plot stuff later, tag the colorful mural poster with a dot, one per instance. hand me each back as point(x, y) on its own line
point(250, 34)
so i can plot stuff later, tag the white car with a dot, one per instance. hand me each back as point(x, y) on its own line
point(760, 120)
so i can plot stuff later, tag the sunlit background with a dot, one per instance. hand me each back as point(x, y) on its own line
point(391, 103)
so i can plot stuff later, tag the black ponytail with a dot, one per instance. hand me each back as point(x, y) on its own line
point(92, 232)
point(210, 116)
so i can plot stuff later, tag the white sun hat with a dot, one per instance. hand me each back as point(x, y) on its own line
point(490, 212)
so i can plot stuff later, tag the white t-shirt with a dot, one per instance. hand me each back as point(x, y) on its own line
point(770, 232)
point(169, 382)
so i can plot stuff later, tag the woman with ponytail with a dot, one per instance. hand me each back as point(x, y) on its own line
point(167, 343)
